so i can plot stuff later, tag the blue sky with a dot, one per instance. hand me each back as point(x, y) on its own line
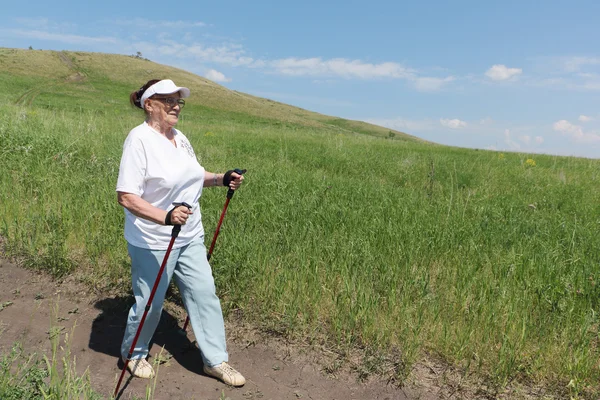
point(505, 75)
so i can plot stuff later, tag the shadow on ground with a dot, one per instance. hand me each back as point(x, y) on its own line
point(108, 328)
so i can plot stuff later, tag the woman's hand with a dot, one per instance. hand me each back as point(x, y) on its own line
point(236, 181)
point(180, 215)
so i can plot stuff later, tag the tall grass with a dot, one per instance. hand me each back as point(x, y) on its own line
point(484, 259)
point(21, 375)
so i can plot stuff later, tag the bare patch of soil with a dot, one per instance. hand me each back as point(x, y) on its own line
point(66, 60)
point(76, 77)
point(97, 325)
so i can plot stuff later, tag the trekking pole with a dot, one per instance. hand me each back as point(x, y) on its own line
point(174, 234)
point(230, 194)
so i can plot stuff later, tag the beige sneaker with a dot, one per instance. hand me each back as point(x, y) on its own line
point(141, 368)
point(226, 373)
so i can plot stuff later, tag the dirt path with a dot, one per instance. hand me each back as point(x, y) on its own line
point(272, 372)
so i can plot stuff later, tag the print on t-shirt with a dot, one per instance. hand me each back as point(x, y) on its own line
point(186, 145)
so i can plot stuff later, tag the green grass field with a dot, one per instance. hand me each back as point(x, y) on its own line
point(340, 234)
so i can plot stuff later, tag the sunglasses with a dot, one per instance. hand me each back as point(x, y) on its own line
point(171, 101)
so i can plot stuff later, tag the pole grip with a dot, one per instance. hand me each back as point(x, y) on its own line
point(231, 192)
point(177, 228)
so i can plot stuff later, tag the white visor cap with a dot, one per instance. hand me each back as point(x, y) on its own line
point(166, 86)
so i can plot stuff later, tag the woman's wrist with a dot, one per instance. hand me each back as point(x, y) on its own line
point(217, 179)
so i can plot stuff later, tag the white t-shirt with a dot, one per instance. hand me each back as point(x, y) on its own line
point(160, 173)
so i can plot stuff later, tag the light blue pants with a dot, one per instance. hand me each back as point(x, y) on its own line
point(193, 276)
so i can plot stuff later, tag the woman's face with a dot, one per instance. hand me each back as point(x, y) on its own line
point(165, 108)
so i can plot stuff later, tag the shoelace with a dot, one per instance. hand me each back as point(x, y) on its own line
point(228, 369)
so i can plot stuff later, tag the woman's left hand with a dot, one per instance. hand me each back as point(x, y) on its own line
point(236, 181)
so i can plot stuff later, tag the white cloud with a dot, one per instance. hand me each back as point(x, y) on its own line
point(539, 139)
point(453, 123)
point(565, 126)
point(354, 69)
point(427, 84)
point(233, 55)
point(58, 37)
point(339, 67)
point(143, 23)
point(576, 132)
point(585, 118)
point(216, 76)
point(324, 81)
point(501, 72)
point(181, 24)
point(574, 64)
point(525, 139)
point(403, 124)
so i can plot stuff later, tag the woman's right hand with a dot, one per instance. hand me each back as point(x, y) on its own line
point(180, 215)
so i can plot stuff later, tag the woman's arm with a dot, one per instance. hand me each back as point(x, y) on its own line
point(142, 209)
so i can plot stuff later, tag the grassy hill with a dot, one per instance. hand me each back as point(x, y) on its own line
point(97, 80)
point(401, 248)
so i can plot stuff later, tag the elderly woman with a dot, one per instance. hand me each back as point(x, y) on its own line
point(158, 172)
